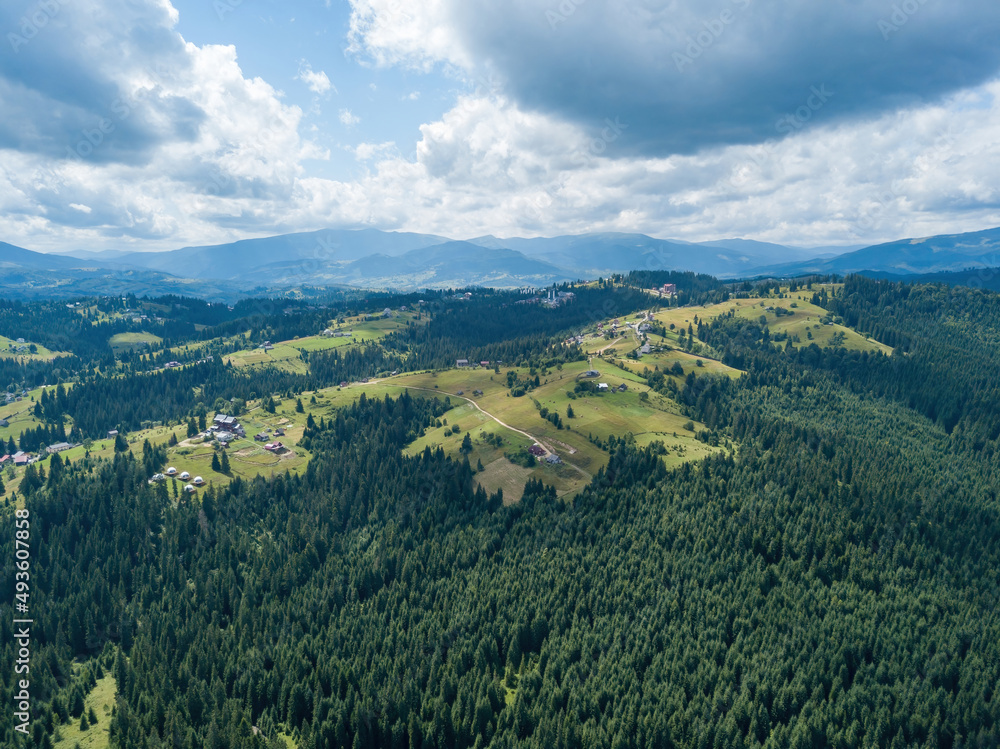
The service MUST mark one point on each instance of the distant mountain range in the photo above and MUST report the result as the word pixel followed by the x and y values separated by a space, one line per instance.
pixel 371 258
pixel 943 254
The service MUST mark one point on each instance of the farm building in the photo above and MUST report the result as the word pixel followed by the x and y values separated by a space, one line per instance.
pixel 603 387
pixel 58 448
pixel 461 362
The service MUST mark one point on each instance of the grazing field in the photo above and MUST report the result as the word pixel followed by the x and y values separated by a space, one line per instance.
pixel 288 355
pixel 518 422
pixel 40 353
pixel 802 320
pixel 133 341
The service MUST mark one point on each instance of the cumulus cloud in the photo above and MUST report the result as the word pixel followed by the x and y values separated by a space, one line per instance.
pixel 348 118
pixel 118 132
pixel 317 81
pixel 107 106
pixel 693 74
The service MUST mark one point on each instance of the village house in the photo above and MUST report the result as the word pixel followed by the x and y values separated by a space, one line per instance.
pixel 59 447
pixel 461 362
pixel 603 387
pixel 537 450
pixel 222 421
pixel 112 434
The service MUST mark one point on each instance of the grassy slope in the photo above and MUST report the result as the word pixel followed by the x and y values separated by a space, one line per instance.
pixel 43 354
pixel 132 341
pixel 101 699
pixel 287 354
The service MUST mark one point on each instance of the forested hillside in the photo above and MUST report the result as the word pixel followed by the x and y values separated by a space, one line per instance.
pixel 831 583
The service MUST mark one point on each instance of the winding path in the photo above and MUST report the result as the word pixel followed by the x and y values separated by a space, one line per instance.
pixel 531 437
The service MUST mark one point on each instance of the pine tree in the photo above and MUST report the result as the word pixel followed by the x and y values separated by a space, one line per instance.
pixel 216 466
pixel 569 412
pixel 84 724
pixel 192 428
pixel 299 407
pixel 225 463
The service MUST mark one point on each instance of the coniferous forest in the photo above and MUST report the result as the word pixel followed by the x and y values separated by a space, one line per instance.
pixel 834 581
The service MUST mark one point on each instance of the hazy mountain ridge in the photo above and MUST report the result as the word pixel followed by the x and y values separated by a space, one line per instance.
pixel 371 258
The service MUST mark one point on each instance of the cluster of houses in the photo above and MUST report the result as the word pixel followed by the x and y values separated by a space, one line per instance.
pixel 558 298
pixel 539 452
pixel 266 434
pixel 668 289
pixel 464 363
pixel 190 488
pixel 19 347
pixel 13 397
pixel 329 333
pixel 552 298
pixel 603 387
pixel 226 429
pixel 20 458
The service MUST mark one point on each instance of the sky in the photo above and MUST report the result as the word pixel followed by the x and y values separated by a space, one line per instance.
pixel 157 124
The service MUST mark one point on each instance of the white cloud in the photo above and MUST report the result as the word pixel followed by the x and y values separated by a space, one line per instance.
pixel 317 81
pixel 206 154
pixel 348 118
